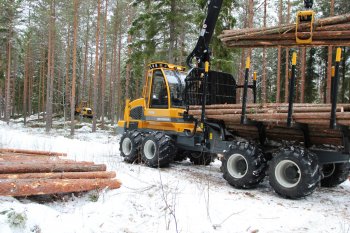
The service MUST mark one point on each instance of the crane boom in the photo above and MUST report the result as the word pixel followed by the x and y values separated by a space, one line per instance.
pixel 201 49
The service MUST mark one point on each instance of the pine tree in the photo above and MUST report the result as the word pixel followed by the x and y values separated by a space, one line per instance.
pixel 75 29
pixel 95 91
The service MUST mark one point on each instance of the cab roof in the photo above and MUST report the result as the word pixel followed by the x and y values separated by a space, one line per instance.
pixel 157 65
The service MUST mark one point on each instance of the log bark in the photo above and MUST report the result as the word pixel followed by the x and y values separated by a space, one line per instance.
pixel 44 187
pixel 60 175
pixel 286 43
pixel 268 105
pixel 266 110
pixel 321 23
pixel 32 152
pixel 38 159
pixel 7 168
pixel 281 116
pixel 95 82
pixel 322 35
pixel 325 30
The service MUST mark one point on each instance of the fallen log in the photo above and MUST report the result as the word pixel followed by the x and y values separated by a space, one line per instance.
pixel 327 133
pixel 267 105
pixel 39 159
pixel 338 27
pixel 53 186
pixel 321 35
pixel 340 19
pixel 326 32
pixel 286 43
pixel 267 110
pixel 33 152
pixel 61 175
pixel 7 168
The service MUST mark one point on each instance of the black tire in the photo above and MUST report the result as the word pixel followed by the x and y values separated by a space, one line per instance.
pixel 294 172
pixel 130 145
pixel 335 174
pixel 200 158
pixel 243 165
pixel 158 150
pixel 180 155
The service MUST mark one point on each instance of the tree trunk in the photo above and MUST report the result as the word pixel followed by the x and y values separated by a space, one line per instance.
pixel 30 80
pixel 68 62
pixel 85 74
pixel 50 68
pixel 172 32
pixel 279 57
pixel 72 102
pixel 104 71
pixel 119 88
pixel 329 62
pixel 8 77
pixel 25 85
pixel 114 74
pixel 244 54
pixel 128 65
pixel 286 79
pixel 96 66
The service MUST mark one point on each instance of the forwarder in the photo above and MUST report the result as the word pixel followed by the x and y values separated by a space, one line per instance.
pixel 158 128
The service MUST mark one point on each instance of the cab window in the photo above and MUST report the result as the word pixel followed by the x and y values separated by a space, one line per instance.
pixel 159 95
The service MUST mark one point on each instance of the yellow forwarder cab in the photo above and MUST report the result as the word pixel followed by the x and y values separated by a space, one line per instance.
pixel 154 125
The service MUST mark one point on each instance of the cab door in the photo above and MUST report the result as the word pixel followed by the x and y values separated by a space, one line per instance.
pixel 159 115
pixel 158 98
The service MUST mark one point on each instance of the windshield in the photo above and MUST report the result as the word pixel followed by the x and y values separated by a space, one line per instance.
pixel 176 82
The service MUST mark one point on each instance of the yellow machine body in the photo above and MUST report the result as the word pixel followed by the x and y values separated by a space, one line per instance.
pixel 150 112
pixel 307 16
pixel 83 109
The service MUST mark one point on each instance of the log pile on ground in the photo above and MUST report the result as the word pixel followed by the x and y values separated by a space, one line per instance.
pixel 274 117
pixel 29 173
pixel 327 31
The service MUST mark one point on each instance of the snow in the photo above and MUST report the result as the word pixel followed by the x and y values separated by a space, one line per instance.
pixel 182 198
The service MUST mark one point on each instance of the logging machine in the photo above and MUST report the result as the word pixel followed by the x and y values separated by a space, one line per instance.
pixel 83 109
pixel 158 128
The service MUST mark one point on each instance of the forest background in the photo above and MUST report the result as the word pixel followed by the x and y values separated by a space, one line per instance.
pixel 55 54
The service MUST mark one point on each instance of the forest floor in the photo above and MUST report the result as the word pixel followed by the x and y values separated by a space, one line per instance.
pixel 181 198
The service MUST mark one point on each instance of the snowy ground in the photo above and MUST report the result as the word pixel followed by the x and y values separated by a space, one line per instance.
pixel 182 198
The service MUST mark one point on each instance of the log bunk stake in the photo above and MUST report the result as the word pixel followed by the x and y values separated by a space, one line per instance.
pixel 29 173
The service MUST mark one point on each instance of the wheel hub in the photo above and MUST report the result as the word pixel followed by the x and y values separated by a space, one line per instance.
pixel 127 146
pixel 288 173
pixel 149 149
pixel 237 166
pixel 291 174
pixel 241 166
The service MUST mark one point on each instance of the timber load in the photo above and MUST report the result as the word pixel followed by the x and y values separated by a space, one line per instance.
pixel 325 32
pixel 30 173
pixel 274 118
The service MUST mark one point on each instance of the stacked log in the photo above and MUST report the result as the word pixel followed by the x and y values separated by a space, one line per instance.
pixel 274 117
pixel 327 31
pixel 28 173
